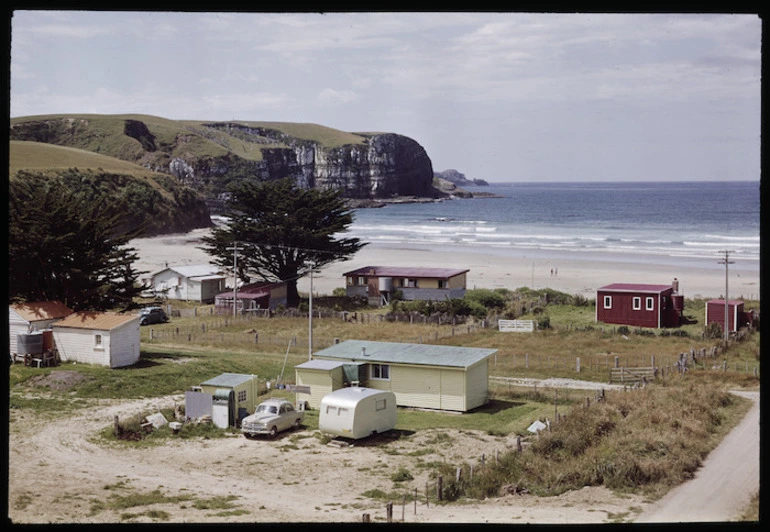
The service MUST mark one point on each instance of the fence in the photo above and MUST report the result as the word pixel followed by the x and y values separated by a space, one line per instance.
pixel 516 325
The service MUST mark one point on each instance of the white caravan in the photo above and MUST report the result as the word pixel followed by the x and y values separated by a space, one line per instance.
pixel 357 412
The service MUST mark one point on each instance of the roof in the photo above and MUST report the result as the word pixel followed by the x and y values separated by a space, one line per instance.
pixel 320 364
pixel 729 302
pixel 41 310
pixel 195 270
pixel 251 291
pixel 396 271
pixel 636 287
pixel 351 396
pixel 401 353
pixel 228 380
pixel 96 320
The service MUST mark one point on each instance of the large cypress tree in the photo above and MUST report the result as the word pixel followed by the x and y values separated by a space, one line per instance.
pixel 67 246
pixel 282 232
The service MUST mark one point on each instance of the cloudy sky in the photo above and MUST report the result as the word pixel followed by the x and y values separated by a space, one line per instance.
pixel 497 96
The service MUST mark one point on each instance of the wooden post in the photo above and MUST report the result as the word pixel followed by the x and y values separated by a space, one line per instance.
pixel 366 518
pixel 427 495
pixel 116 424
pixel 577 365
pixel 403 505
pixel 457 474
pixel 440 488
pixel 389 512
pixel 415 501
pixel 518 443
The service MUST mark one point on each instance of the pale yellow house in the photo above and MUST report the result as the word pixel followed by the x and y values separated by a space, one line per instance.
pixel 423 376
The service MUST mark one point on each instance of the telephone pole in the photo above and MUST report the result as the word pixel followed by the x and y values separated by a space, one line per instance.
pixel 235 249
pixel 726 261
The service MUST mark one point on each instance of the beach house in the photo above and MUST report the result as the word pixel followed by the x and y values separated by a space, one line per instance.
pixel 437 377
pixel 29 320
pixel 379 284
pixel 251 297
pixel 640 305
pixel 200 282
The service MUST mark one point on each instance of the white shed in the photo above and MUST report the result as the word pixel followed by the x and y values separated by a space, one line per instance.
pixel 200 282
pixel 25 318
pixel 357 412
pixel 104 338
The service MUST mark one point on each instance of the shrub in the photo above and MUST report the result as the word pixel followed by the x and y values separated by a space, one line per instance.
pixel 714 330
pixel 486 298
pixel 623 330
pixel 544 322
pixel 401 475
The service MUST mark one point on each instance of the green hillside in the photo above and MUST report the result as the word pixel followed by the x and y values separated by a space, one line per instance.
pixel 25 155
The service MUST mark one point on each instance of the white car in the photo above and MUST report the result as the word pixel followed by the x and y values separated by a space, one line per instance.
pixel 271 417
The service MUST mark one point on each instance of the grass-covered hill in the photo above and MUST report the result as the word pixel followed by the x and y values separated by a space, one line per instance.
pixel 151 199
pixel 209 155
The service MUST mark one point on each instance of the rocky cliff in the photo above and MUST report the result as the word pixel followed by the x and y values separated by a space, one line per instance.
pixel 208 155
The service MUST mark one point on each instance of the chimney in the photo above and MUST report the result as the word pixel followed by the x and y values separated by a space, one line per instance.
pixel 675 285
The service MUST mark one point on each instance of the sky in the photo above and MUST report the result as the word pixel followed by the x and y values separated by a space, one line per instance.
pixel 505 97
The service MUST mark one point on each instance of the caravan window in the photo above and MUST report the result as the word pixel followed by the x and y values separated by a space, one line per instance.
pixel 331 409
pixel 342 412
pixel 380 404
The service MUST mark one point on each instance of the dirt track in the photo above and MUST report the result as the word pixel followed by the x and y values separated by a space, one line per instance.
pixel 57 474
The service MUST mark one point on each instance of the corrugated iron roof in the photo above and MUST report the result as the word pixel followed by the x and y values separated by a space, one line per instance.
pixel 401 353
pixel 228 380
pixel 41 310
pixel 397 271
pixel 96 320
pixel 729 302
pixel 320 364
pixel 251 291
pixel 195 270
pixel 635 287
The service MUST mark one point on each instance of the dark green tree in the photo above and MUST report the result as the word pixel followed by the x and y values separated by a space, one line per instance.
pixel 67 247
pixel 282 232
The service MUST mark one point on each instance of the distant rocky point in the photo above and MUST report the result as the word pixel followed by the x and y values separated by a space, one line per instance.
pixel 459 179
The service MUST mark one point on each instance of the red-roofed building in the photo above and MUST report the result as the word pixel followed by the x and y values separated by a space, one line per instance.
pixel 33 317
pixel 378 283
pixel 640 305
pixel 251 297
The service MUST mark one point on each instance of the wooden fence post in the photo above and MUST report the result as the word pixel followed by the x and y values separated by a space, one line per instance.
pixel 518 443
pixel 366 518
pixel 389 511
pixel 440 488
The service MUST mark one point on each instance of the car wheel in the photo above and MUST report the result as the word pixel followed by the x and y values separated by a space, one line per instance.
pixel 273 432
pixel 297 424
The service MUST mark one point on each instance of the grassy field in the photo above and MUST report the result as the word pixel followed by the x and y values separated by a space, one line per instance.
pixel 643 440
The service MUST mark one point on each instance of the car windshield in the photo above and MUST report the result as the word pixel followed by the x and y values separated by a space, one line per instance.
pixel 267 408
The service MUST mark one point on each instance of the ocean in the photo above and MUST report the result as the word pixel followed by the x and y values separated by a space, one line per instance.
pixel 680 221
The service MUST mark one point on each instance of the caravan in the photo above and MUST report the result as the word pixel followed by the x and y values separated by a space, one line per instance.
pixel 357 412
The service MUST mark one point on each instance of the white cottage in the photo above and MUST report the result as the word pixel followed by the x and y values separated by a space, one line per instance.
pixel 104 338
pixel 200 282
pixel 24 318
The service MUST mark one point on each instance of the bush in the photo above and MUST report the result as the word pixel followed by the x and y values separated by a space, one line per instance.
pixel 486 298
pixel 714 330
pixel 401 475
pixel 624 330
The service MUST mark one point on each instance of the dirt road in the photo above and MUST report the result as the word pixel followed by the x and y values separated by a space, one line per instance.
pixel 723 485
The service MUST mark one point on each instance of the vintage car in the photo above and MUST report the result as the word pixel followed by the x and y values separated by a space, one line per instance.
pixel 149 315
pixel 271 417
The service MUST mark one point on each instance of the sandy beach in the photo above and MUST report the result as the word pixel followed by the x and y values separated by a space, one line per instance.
pixel 490 267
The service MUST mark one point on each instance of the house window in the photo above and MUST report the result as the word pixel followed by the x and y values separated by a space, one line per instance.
pixel 443 283
pixel 650 303
pixel 350 281
pixel 381 371
pixel 637 304
pixel 98 341
pixel 410 283
pixel 607 301
pixel 362 281
pixel 242 396
pixel 380 404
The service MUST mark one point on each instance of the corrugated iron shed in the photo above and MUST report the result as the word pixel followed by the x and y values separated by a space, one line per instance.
pixel 96 320
pixel 402 353
pixel 635 287
pixel 41 310
pixel 396 271
pixel 228 380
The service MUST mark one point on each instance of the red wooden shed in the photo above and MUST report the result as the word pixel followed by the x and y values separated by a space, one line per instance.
pixel 640 305
pixel 736 316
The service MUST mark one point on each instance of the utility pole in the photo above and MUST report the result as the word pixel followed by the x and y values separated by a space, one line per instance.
pixel 235 249
pixel 726 261
pixel 310 320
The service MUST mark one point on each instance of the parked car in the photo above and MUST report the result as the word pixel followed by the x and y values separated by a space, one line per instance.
pixel 271 417
pixel 150 315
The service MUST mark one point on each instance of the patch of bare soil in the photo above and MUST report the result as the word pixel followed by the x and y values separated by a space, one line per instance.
pixel 60 472
pixel 58 380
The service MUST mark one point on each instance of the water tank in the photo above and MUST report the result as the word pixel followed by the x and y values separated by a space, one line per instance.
pixel 678 302
pixel 29 343
pixel 386 284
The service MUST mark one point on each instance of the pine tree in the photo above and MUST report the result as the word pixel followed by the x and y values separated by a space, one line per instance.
pixel 65 246
pixel 282 232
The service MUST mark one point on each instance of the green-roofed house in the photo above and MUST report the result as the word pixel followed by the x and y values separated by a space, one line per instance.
pixel 438 377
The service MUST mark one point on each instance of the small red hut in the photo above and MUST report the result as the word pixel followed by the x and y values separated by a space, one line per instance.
pixel 736 316
pixel 640 305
